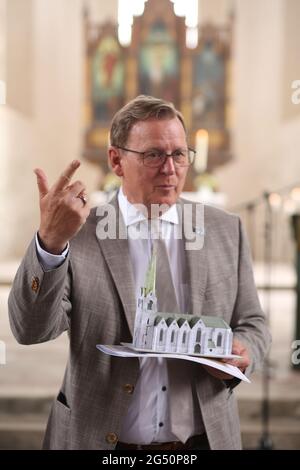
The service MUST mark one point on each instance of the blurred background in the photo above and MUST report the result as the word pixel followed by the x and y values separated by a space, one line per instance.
pixel 233 68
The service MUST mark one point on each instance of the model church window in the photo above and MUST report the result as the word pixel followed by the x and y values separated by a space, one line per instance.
pixel 161 336
pixel 198 337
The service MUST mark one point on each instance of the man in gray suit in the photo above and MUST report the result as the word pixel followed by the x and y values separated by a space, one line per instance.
pixel 73 278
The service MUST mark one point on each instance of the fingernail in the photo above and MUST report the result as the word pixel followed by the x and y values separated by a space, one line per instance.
pixel 75 163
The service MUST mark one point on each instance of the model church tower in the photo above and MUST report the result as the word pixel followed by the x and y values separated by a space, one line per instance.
pixel 176 333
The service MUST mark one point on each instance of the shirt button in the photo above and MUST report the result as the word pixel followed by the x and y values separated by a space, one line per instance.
pixel 161 425
pixel 164 388
pixel 111 438
pixel 128 388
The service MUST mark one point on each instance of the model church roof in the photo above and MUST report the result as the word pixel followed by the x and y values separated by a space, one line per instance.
pixel 180 318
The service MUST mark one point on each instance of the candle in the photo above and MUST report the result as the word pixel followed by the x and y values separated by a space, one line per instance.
pixel 201 151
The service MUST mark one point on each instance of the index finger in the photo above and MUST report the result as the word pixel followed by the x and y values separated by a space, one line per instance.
pixel 66 176
pixel 41 182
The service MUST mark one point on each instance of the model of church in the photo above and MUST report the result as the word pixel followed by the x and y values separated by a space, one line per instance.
pixel 176 333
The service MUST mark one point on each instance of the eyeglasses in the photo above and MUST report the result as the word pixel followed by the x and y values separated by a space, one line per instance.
pixel 156 158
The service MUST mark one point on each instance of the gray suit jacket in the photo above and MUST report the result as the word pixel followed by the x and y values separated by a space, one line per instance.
pixel 92 296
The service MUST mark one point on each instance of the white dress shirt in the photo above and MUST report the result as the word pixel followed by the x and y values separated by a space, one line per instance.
pixel 148 416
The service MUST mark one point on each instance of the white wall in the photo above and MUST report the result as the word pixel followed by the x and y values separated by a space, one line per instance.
pixel 102 11
pixel 265 144
pixel 41 124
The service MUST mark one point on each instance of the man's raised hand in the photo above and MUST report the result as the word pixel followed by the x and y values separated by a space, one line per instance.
pixel 63 210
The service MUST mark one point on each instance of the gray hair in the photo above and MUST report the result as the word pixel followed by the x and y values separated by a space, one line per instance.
pixel 140 108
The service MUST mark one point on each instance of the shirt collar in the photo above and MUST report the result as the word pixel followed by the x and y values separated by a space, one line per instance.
pixel 132 215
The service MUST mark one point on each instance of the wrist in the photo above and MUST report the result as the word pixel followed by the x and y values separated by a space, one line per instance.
pixel 50 246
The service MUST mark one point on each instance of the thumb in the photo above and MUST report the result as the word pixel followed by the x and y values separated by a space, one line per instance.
pixel 41 182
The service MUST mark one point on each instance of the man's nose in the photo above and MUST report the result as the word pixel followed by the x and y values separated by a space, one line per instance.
pixel 168 166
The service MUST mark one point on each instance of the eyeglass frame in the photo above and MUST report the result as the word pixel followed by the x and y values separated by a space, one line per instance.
pixel 163 159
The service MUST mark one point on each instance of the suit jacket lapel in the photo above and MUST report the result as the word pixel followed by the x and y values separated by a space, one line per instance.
pixel 116 254
pixel 195 258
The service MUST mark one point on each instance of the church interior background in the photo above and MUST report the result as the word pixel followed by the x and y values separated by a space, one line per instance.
pixel 233 68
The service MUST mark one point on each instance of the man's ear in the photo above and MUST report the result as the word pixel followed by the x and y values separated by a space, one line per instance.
pixel 115 161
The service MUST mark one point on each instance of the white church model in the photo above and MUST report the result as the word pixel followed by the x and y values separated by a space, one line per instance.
pixel 176 333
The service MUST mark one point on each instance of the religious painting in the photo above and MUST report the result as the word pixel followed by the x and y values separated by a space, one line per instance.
pixel 107 79
pixel 159 64
pixel 209 87
pixel 210 109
